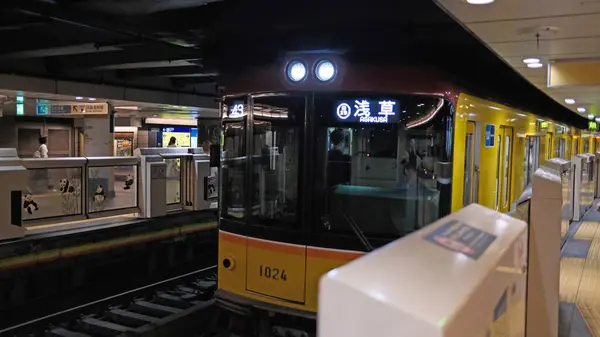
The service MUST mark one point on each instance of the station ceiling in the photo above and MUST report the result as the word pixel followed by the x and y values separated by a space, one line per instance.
pixel 563 35
pixel 185 45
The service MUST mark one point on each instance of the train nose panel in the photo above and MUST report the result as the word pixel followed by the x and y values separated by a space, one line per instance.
pixel 276 269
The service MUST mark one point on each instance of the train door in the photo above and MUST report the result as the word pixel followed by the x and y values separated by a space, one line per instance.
pixel 532 158
pixel 561 149
pixel 504 169
pixel 471 185
pixel 576 146
pixel 586 144
pixel 549 142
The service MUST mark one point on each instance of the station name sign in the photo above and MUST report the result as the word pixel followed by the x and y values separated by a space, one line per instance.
pixel 367 111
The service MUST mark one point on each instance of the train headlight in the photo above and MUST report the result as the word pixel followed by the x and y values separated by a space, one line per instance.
pixel 325 71
pixel 296 71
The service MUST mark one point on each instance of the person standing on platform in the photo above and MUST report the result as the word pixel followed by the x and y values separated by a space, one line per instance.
pixel 206 146
pixel 41 175
pixel 42 151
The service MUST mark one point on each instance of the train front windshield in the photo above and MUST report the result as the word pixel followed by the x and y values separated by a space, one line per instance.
pixel 343 165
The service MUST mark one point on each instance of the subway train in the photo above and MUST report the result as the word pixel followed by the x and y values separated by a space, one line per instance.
pixel 323 161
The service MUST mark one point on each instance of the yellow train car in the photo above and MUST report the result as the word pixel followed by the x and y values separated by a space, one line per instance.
pixel 323 161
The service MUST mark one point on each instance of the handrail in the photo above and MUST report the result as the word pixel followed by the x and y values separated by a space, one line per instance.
pixel 113 161
pixel 46 163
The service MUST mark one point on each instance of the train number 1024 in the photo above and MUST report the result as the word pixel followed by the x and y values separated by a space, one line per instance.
pixel 273 273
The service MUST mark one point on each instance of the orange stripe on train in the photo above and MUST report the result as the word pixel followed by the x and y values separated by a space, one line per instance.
pixel 313 252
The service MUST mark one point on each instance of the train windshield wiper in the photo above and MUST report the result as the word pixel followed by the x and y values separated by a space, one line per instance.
pixel 359 233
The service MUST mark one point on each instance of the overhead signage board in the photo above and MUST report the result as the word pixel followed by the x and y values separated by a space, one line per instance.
pixel 49 109
pixel 592 126
pixel 367 111
pixel 461 238
pixel 43 108
pixel 490 135
pixel 90 108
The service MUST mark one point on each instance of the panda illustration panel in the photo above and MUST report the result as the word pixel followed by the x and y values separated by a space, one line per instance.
pixel 99 194
pixel 29 204
pixel 128 182
pixel 65 186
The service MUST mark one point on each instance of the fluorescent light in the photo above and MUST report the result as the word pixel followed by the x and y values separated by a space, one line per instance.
pixel 78 97
pixel 581 109
pixel 92 99
pixel 126 107
pixel 531 60
pixel 591 117
pixel 480 2
pixel 172 121
pixel 534 65
pixel 522 115
pixel 570 101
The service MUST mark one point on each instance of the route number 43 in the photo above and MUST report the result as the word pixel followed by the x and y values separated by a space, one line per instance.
pixel 273 273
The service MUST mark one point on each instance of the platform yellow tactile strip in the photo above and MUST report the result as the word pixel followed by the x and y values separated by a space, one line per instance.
pixel 591 315
pixel 564 227
pixel 588 298
pixel 594 252
pixel 571 270
pixel 587 230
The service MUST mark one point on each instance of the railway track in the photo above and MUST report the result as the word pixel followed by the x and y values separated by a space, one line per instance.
pixel 179 306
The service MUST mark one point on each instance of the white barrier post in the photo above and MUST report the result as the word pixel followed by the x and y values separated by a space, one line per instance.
pixel 463 275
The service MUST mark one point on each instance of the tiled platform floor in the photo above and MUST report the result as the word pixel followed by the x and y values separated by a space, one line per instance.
pixel 580 277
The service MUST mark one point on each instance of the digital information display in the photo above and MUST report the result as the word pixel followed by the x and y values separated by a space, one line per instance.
pixel 367 111
pixel 184 136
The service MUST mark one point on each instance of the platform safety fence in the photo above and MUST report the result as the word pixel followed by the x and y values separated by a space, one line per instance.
pixel 80 188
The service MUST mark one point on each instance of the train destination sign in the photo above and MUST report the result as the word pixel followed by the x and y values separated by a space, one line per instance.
pixel 368 111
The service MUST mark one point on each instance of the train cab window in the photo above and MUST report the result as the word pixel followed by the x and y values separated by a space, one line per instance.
pixel 562 148
pixel 276 145
pixel 233 162
pixel 377 180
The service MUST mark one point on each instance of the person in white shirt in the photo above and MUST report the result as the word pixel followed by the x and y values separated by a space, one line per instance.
pixel 42 151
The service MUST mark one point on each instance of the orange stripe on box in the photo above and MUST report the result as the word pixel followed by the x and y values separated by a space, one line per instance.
pixel 334 254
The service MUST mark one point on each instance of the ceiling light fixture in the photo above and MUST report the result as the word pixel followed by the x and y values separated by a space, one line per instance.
pixel 531 60
pixel 591 117
pixel 534 65
pixel 92 99
pixel 581 109
pixel 480 2
pixel 570 101
pixel 78 97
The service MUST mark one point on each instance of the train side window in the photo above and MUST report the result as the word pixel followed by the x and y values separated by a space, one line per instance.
pixel 506 172
pixel 233 163
pixel 498 166
pixel 276 145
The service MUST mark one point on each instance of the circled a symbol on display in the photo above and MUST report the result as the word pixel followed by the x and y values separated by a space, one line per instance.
pixel 343 111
